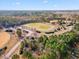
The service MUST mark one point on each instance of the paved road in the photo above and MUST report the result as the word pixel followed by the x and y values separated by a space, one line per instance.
pixel 7 56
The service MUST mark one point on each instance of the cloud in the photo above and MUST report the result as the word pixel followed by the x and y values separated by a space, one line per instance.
pixel 45 1
pixel 17 3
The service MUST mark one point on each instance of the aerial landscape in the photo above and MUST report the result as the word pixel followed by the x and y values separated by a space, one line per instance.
pixel 39 29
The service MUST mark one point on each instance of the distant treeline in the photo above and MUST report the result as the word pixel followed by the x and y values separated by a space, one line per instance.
pixel 11 22
pixel 31 12
pixel 20 13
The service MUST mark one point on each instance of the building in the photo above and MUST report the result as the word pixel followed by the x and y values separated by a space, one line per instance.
pixel 54 22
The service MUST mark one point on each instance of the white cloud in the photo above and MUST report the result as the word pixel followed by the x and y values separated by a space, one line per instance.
pixel 45 1
pixel 17 3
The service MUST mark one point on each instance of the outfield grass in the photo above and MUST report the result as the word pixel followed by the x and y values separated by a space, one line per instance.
pixel 40 26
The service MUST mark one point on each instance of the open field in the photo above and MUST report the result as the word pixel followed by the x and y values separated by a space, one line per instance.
pixel 40 26
pixel 13 40
pixel 4 38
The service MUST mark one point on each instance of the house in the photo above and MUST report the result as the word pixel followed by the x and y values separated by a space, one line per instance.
pixel 69 23
pixel 54 22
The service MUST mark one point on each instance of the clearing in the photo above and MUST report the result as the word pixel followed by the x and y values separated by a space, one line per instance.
pixel 43 27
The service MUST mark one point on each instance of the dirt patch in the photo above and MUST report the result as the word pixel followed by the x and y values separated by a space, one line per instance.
pixel 13 40
pixel 4 38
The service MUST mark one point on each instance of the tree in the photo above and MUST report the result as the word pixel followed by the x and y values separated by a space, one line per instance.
pixel 21 48
pixel 19 32
pixel 27 54
pixel 61 45
pixel 53 47
pixel 55 15
pixel 76 27
pixel 15 56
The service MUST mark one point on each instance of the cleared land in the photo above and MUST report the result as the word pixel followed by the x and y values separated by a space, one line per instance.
pixel 13 40
pixel 4 38
pixel 40 26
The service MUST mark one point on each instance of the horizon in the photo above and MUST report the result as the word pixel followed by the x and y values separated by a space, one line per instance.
pixel 40 10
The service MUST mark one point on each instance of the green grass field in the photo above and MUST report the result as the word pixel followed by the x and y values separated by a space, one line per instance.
pixel 40 26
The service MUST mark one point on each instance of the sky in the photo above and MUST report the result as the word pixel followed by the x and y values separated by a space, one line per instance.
pixel 39 4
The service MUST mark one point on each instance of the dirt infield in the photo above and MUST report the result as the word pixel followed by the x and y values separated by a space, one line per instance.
pixel 4 38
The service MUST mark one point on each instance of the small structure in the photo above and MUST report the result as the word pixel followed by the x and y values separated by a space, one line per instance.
pixel 69 23
pixel 54 22
pixel 10 29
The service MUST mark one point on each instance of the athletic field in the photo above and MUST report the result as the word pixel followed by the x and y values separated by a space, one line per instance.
pixel 40 26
